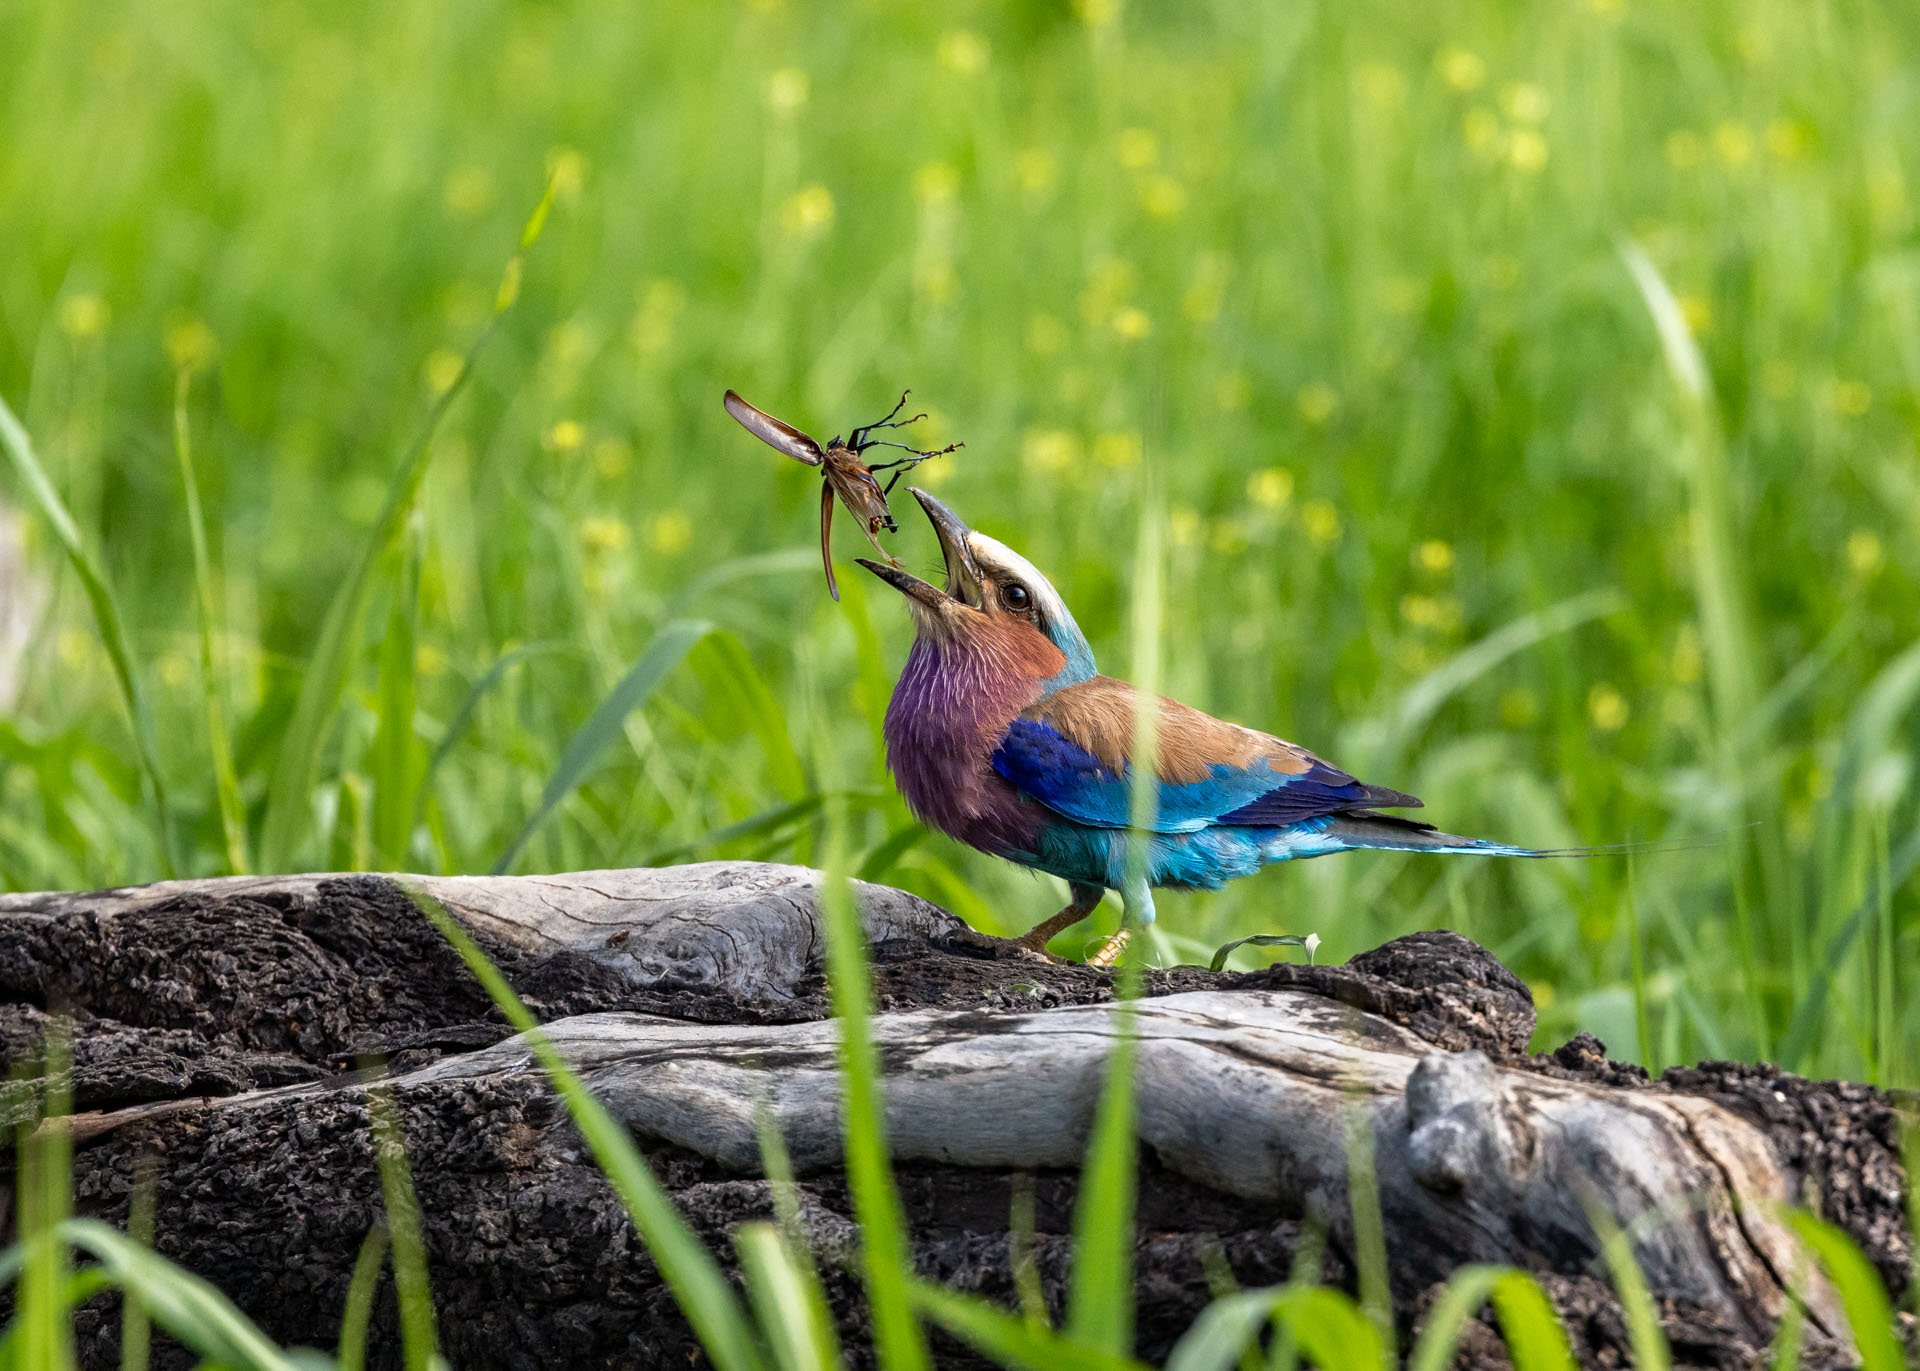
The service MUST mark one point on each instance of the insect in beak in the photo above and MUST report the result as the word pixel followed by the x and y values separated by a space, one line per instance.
pixel 845 477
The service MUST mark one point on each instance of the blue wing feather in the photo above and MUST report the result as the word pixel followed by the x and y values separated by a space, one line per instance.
pixel 1046 765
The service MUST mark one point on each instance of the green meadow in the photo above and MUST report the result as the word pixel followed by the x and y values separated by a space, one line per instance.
pixel 1517 404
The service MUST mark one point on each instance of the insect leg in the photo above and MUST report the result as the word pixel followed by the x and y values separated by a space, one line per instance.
pixel 859 438
pixel 919 454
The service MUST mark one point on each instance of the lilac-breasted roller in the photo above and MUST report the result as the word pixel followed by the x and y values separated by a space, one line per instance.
pixel 1002 734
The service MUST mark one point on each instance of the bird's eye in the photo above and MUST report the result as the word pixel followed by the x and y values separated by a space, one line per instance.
pixel 1015 597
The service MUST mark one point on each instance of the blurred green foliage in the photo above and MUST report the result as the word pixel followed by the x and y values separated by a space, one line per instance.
pixel 1346 286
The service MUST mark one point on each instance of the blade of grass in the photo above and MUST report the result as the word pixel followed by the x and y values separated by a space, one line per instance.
pixel 1811 1015
pixel 1733 660
pixel 879 862
pixel 1789 1336
pixel 357 1316
pixel 1869 1312
pixel 766 821
pixel 1644 1334
pixel 393 742
pixel 188 1309
pixel 226 784
pixel 106 617
pixel 462 719
pixel 783 563
pixel 698 1285
pixel 136 1329
pixel 885 1261
pixel 662 655
pixel 1009 1340
pixel 1100 1291
pixel 413 1292
pixel 1636 969
pixel 786 1299
pixel 289 814
pixel 1369 1230
pixel 777 1166
pixel 1022 1258
pixel 1534 1333
pixel 1329 1329
pixel 1309 1258
pixel 745 695
pixel 45 1149
pixel 1425 697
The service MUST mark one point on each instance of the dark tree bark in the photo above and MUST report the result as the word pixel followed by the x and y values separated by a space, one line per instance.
pixel 221 1029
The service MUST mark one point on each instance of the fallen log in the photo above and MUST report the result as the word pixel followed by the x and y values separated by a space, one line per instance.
pixel 222 1031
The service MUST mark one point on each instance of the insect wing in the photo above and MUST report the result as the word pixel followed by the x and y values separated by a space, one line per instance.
pixel 774 432
pixel 826 537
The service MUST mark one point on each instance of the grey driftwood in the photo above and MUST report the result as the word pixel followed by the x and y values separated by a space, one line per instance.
pixel 222 1031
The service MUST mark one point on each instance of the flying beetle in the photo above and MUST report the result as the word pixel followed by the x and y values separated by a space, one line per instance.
pixel 843 473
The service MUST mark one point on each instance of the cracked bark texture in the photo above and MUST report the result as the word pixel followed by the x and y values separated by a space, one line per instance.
pixel 219 1028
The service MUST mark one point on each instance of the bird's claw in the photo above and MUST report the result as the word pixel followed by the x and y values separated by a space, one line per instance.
pixel 1034 944
pixel 1108 951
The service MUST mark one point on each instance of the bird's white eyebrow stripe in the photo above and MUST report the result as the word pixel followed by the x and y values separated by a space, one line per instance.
pixel 996 557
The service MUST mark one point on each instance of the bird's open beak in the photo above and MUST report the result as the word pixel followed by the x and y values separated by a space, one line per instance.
pixel 907 584
pixel 963 573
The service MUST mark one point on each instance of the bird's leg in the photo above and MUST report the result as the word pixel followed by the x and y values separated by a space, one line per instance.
pixel 1136 912
pixel 1085 897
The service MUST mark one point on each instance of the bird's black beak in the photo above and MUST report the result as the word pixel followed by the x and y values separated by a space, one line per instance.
pixel 963 572
pixel 907 583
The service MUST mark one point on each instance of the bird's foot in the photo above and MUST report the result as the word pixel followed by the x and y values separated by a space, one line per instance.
pixel 1109 951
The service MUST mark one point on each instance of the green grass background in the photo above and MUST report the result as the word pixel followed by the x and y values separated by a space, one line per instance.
pixel 1341 295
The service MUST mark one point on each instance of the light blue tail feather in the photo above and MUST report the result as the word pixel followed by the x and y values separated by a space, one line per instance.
pixel 1384 832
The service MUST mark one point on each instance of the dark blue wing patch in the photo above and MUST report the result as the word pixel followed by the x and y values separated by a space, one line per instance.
pixel 1320 790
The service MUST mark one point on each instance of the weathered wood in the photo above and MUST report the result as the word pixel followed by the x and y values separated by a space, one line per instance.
pixel 217 1026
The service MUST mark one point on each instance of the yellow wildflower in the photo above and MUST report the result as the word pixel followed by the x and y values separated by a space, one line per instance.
pixel 1527 149
pixel 1461 69
pixel 1852 398
pixel 808 211
pixel 84 316
pixel 1138 149
pixel 1734 142
pixel 1050 450
pixel 1607 708
pixel 1035 171
pixel 1317 402
pixel 788 90
pixel 1163 197
pixel 670 533
pixel 1132 323
pixel 190 343
pixel 1321 521
pixel 468 191
pixel 1117 449
pixel 1271 489
pixel 963 52
pixel 1524 103
pixel 441 370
